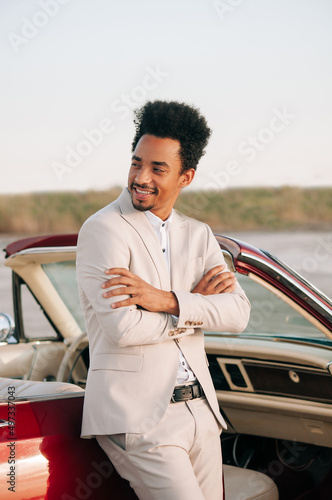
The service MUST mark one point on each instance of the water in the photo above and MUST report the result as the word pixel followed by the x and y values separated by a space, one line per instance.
pixel 309 253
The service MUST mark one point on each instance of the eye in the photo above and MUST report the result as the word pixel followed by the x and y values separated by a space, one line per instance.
pixel 158 170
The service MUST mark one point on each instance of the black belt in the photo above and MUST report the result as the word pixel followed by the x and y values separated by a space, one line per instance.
pixel 187 392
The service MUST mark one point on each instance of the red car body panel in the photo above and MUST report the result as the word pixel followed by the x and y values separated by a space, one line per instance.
pixel 62 240
pixel 51 461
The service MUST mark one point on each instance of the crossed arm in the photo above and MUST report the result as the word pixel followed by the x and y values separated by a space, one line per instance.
pixel 132 312
pixel 152 299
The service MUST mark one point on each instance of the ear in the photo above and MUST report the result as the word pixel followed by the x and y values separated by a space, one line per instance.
pixel 187 177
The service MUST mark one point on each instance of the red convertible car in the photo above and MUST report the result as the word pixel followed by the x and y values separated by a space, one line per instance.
pixel 273 383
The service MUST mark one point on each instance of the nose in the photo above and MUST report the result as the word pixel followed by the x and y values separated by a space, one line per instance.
pixel 143 176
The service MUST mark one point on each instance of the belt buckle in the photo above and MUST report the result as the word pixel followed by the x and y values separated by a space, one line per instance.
pixel 195 389
pixel 192 391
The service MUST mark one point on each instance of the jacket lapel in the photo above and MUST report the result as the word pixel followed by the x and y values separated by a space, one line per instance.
pixel 142 226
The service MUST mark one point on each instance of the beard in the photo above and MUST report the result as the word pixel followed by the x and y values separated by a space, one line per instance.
pixel 139 205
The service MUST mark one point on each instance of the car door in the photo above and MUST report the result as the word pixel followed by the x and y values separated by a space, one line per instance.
pixel 274 379
pixel 41 453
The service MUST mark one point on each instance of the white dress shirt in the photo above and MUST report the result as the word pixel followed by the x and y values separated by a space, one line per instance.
pixel 161 228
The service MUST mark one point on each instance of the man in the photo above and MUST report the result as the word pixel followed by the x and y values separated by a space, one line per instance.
pixel 150 401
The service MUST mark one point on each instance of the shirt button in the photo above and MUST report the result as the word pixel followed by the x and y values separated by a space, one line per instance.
pixel 164 250
pixel 163 225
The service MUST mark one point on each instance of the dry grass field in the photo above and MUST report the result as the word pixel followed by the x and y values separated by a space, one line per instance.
pixel 251 209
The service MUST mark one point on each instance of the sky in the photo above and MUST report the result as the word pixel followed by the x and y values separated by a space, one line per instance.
pixel 73 71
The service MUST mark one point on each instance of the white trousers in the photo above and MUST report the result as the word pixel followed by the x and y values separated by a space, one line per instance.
pixel 180 459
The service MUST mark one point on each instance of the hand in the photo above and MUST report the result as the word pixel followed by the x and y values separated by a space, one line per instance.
pixel 141 293
pixel 215 281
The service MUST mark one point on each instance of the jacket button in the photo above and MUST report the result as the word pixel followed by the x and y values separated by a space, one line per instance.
pixel 171 333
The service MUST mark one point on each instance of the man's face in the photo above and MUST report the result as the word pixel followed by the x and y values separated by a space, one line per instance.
pixel 154 179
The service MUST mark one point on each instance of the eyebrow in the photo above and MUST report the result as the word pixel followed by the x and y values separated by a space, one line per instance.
pixel 158 163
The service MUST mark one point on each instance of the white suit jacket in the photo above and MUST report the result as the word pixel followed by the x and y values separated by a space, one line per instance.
pixel 134 353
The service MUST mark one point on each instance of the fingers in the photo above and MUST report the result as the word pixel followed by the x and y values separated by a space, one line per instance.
pixel 229 289
pixel 212 273
pixel 223 277
pixel 117 281
pixel 228 285
pixel 119 270
pixel 119 291
pixel 122 277
pixel 123 303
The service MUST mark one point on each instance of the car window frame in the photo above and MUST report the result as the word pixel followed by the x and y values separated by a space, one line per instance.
pixel 19 333
pixel 269 274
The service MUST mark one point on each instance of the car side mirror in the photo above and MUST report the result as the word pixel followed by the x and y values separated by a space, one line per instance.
pixel 7 327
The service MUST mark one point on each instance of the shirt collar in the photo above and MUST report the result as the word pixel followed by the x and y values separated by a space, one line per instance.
pixel 157 223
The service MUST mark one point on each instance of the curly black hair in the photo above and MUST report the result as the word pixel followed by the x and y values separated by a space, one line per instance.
pixel 174 120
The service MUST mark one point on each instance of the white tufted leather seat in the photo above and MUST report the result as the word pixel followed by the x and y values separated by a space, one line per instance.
pixel 245 484
pixel 27 388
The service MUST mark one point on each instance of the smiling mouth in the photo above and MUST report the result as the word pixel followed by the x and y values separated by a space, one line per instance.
pixel 141 193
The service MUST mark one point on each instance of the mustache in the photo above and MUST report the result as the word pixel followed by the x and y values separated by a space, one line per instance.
pixel 143 186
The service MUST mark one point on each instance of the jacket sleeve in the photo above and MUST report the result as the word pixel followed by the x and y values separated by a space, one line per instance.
pixel 225 312
pixel 98 249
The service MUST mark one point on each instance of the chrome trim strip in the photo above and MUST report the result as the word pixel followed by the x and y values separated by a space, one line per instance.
pixel 239 363
pixel 297 275
pixel 290 279
pixel 283 365
pixel 252 337
pixel 37 250
pixel 45 397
